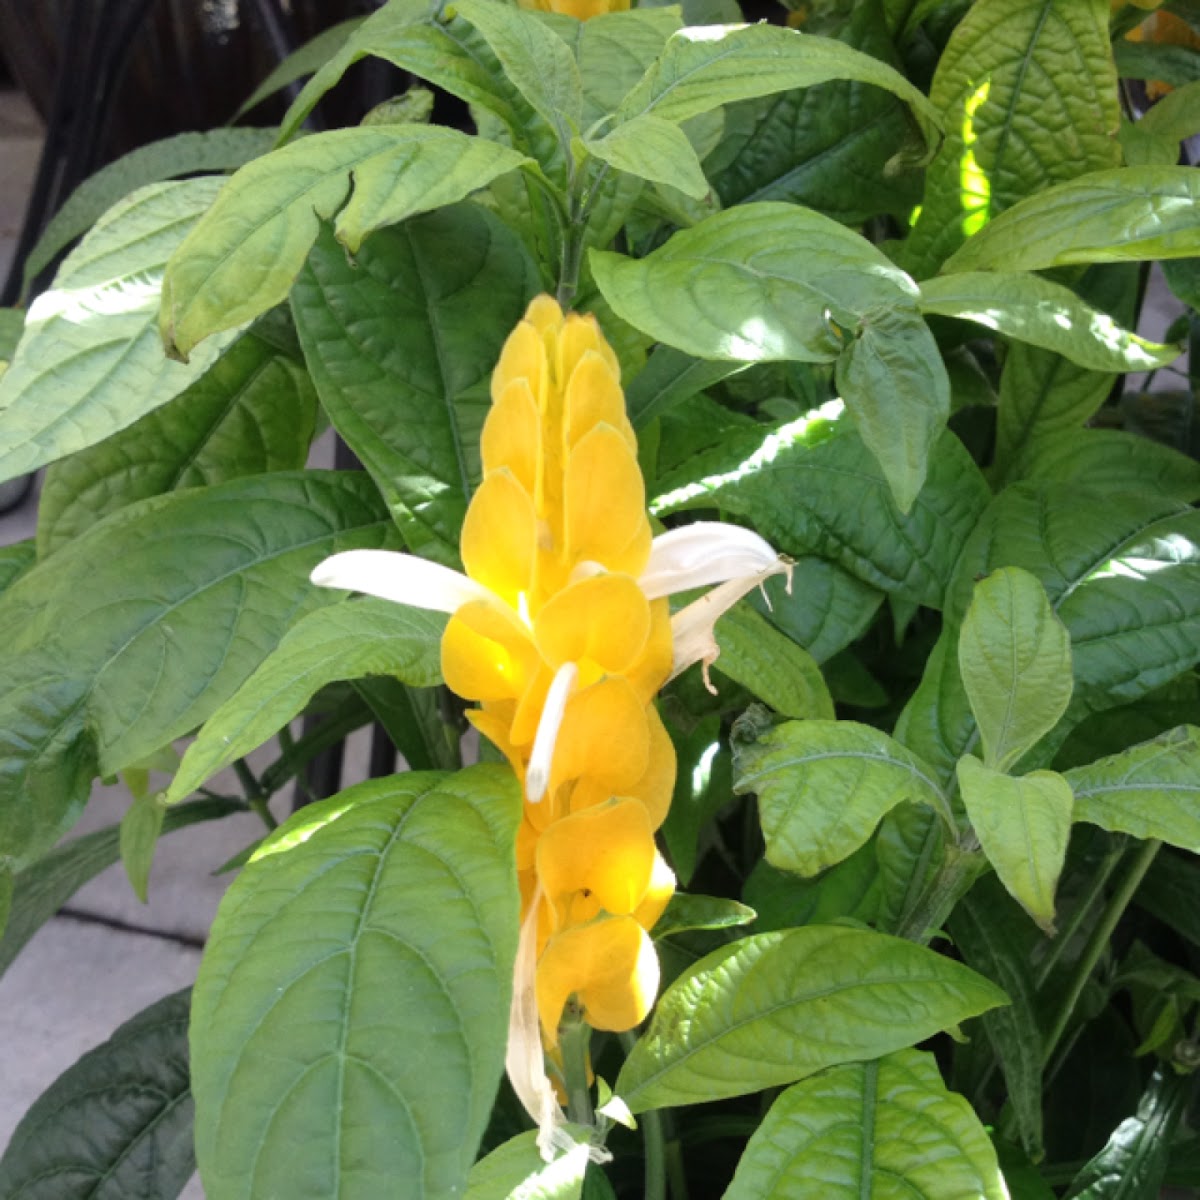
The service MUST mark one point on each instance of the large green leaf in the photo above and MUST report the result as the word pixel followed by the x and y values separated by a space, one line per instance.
pixel 1023 824
pixel 614 51
pixel 137 631
pixel 183 154
pixel 1132 213
pixel 704 67
pixel 774 1008
pixel 15 560
pixel 771 666
pixel 863 1131
pixel 346 641
pixel 812 488
pixel 756 283
pixel 1154 139
pixel 1015 658
pixel 1041 313
pixel 894 382
pixel 356 981
pixel 243 256
pixel 1028 94
pixel 517 1171
pixel 401 352
pixel 90 362
pixel 823 787
pixel 654 149
pixel 669 378
pixel 117 1125
pixel 827 147
pixel 253 411
pixel 1150 791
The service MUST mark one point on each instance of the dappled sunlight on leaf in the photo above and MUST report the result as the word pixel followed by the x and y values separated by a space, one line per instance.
pixel 976 187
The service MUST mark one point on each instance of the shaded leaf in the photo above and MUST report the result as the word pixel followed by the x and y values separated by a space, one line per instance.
pixel 310 57
pixel 686 912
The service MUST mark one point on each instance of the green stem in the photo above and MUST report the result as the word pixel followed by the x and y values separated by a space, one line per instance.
pixel 957 873
pixel 256 798
pixel 654 1140
pixel 573 1038
pixel 1098 941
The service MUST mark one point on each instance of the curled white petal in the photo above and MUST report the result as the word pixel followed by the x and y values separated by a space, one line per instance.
pixel 524 1059
pixel 692 635
pixel 402 578
pixel 537 775
pixel 705 553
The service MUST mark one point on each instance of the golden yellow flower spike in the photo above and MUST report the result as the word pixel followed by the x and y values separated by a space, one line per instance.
pixel 560 630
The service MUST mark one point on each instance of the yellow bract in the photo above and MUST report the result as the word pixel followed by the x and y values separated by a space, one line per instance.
pixel 566 657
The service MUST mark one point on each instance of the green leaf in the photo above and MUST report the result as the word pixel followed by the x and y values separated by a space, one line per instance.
pixel 1015 659
pixel 892 379
pixel 982 929
pixel 534 59
pixel 345 641
pixel 1034 310
pixel 1007 66
pixel 1023 825
pixel 654 149
pixel 1129 214
pixel 516 1171
pixel 1154 140
pixel 812 488
pixel 1174 65
pixel 1149 791
pixel 6 896
pixel 874 1129
pixel 184 154
pixel 701 69
pixel 411 398
pixel 846 892
pixel 243 256
pixel 253 411
pixel 686 912
pixel 668 379
pixel 757 283
pixel 90 362
pixel 774 1008
pixel 1171 892
pixel 702 786
pixel 383 924
pixel 12 326
pixel 771 666
pixel 140 829
pixel 828 147
pixel 310 57
pixel 137 631
pixel 118 1123
pixel 615 50
pixel 1132 1165
pixel 15 560
pixel 823 787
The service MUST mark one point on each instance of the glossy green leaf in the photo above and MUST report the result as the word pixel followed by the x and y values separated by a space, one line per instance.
pixel 1132 1165
pixel 823 787
pixel 117 1125
pixel 895 385
pixel 1114 460
pixel 614 51
pixel 516 1171
pixel 756 283
pixel 910 849
pixel 1035 310
pixel 310 57
pixel 876 1129
pixel 383 924
pixel 140 827
pixel 183 154
pixel 812 488
pixel 402 353
pixel 702 68
pixel 253 411
pixel 1015 659
pixel 774 1008
pixel 654 149
pixel 1154 139
pixel 1150 791
pixel 669 378
pixel 537 62
pixel 42 889
pixel 1023 824
pixel 983 931
pixel 244 255
pixel 782 900
pixel 770 665
pixel 90 362
pixel 686 912
pixel 828 147
pixel 345 641
pixel 1133 213
pixel 1008 66
pixel 137 631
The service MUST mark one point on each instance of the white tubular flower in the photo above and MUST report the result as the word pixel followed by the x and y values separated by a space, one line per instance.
pixel 705 553
pixel 401 578
pixel 537 776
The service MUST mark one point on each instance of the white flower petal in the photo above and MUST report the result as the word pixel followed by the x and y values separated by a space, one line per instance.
pixel 402 578
pixel 537 775
pixel 704 553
